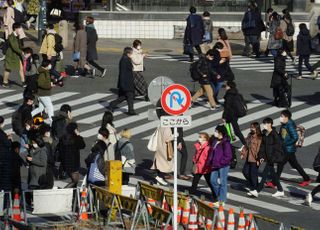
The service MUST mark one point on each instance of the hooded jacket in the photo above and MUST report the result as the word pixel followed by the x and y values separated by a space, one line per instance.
pixel 289 136
pixel 304 42
pixel 44 82
pixel 220 154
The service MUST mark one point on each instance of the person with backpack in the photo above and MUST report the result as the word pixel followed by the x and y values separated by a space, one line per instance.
pixel 44 91
pixel 275 34
pixel 92 38
pixel 50 49
pixel 252 26
pixel 287 26
pixel 304 49
pixel 203 72
pixel 14 57
pixel 250 153
pixel 279 79
pixel 124 151
pixel 234 108
pixel 30 68
pixel 290 137
pixel 96 164
pixel 271 152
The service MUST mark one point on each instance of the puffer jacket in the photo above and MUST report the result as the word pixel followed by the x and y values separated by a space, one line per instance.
pixel 304 42
pixel 271 148
pixel 289 136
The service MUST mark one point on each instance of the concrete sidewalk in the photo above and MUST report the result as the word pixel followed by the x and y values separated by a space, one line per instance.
pixel 151 46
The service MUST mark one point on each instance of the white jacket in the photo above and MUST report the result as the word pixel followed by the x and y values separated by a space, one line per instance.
pixel 137 60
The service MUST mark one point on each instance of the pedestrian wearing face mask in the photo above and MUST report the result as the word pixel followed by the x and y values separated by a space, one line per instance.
pixel 44 91
pixel 200 166
pixel 219 161
pixel 250 154
pixel 279 82
pixel 270 152
pixel 69 148
pixel 140 84
pixel 290 137
pixel 104 135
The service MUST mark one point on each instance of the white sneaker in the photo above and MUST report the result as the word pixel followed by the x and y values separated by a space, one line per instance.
pixel 309 199
pixel 93 72
pixel 278 194
pixel 161 181
pixel 253 193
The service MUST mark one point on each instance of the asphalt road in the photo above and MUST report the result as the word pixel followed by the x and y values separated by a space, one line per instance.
pixel 252 84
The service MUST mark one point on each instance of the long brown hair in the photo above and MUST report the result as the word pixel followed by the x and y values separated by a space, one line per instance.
pixel 256 126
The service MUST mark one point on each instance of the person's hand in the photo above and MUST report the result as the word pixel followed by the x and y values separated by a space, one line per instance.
pixel 260 162
pixel 218 76
pixel 9 136
pixel 241 157
pixel 179 146
pixel 223 120
pixel 29 158
pixel 77 132
pixel 26 146
pixel 145 55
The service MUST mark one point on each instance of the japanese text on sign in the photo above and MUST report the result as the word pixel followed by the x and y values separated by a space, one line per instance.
pixel 176 121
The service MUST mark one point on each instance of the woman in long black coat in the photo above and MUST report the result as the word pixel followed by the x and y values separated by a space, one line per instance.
pixel 5 159
pixel 69 149
pixel 125 82
pixel 279 79
pixel 92 38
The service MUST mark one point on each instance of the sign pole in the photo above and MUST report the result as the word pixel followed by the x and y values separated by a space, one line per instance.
pixel 175 180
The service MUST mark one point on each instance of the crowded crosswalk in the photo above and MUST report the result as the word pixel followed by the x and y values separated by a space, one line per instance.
pixel 261 65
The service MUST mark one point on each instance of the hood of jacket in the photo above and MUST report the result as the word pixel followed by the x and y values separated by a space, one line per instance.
pixel 304 32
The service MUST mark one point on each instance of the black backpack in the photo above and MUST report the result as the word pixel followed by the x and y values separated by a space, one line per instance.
pixel 58 47
pixel 316 163
pixel 240 106
pixel 194 71
pixel 290 29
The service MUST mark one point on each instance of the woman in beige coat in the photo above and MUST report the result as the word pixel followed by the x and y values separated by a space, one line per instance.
pixel 161 163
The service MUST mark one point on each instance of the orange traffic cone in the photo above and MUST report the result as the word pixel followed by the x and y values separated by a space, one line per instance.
pixel 248 222
pixel 221 219
pixel 16 213
pixel 231 223
pixel 252 225
pixel 185 212
pixel 242 221
pixel 152 202
pixel 83 205
pixel 193 218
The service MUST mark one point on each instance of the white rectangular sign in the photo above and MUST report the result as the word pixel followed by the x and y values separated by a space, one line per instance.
pixel 175 121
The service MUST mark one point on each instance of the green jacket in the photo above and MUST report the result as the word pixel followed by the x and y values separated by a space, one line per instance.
pixel 13 54
pixel 44 82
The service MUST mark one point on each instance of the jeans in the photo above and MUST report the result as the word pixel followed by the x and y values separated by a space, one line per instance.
pixel 269 169
pixel 23 141
pixel 221 188
pixel 209 91
pixel 304 58
pixel 237 130
pixel 44 102
pixel 195 182
pixel 250 172
pixel 129 96
pixel 254 41
pixel 217 86
pixel 292 159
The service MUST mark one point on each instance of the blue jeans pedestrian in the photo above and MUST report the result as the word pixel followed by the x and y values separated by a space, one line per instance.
pixel 216 87
pixel 221 188
pixel 23 141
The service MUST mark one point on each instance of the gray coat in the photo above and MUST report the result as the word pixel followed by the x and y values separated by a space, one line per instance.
pixel 127 155
pixel 92 38
pixel 273 43
pixel 38 167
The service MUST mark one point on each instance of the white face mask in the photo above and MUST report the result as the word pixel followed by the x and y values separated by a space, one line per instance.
pixel 282 120
pixel 265 126
pixel 49 67
pixel 47 134
pixel 201 140
pixel 284 53
pixel 35 145
pixel 100 137
pixel 138 47
pixel 28 127
pixel 216 134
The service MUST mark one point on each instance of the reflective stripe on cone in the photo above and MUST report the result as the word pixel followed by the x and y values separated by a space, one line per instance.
pixel 185 212
pixel 16 213
pixel 231 222
pixel 221 219
pixel 193 218
pixel 83 205
pixel 242 221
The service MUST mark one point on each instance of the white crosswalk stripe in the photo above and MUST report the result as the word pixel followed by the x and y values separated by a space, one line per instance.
pixel 88 111
pixel 262 64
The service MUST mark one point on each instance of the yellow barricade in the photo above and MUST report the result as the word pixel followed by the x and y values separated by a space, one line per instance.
pixel 151 192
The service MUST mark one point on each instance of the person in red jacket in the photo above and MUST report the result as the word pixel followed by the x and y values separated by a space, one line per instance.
pixel 200 168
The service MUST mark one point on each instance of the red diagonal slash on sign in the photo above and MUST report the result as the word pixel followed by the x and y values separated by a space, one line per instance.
pixel 174 98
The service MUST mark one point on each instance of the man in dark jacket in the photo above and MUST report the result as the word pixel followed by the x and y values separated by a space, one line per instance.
pixel 92 38
pixel 125 82
pixel 290 137
pixel 229 114
pixel 252 26
pixel 61 121
pixel 304 49
pixel 205 72
pixel 270 152
pixel 44 90
pixel 279 80
pixel 194 31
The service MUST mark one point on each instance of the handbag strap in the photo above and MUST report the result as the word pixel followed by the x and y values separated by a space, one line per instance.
pixel 199 156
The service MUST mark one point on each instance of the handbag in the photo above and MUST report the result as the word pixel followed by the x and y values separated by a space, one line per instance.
pixel 76 56
pixel 187 49
pixel 169 151
pixel 94 174
pixel 153 141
